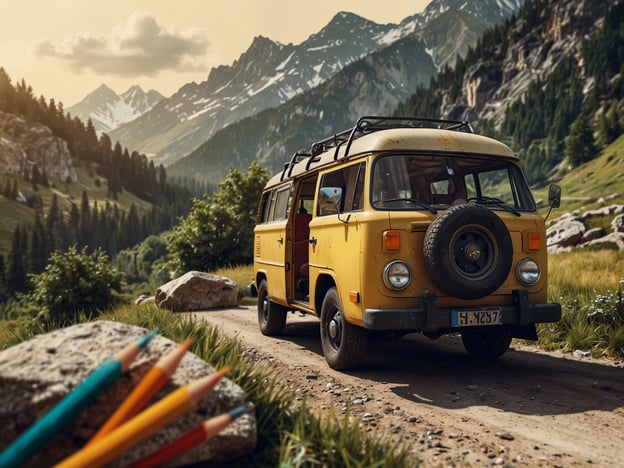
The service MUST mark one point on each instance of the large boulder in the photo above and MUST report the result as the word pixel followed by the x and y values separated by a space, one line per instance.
pixel 36 374
pixel 613 240
pixel 196 290
pixel 617 224
pixel 565 232
pixel 604 211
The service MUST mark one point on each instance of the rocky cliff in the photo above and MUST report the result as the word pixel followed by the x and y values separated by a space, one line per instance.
pixel 493 83
pixel 24 145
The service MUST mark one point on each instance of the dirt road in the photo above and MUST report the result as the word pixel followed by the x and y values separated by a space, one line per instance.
pixel 529 408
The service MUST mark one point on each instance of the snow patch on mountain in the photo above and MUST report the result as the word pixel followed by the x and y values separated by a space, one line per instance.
pixel 107 110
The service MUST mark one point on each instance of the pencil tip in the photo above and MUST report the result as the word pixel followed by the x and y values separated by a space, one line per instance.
pixel 146 339
pixel 186 344
pixel 236 412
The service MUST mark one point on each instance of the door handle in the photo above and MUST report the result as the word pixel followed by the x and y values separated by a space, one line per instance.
pixel 280 240
pixel 312 240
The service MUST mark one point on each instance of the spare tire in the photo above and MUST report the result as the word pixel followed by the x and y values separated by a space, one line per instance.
pixel 468 251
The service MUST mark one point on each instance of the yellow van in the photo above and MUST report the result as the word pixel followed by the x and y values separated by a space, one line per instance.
pixel 403 225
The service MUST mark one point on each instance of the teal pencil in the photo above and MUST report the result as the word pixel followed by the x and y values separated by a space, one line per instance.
pixel 36 436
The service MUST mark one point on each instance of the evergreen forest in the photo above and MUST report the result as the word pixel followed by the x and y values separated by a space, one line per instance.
pixel 139 199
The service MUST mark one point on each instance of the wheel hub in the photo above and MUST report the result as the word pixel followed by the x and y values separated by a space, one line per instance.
pixel 333 328
pixel 472 252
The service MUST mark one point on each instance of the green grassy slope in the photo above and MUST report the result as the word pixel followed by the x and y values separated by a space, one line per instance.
pixel 13 213
pixel 596 183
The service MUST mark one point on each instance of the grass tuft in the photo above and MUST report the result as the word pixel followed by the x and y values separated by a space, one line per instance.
pixel 288 435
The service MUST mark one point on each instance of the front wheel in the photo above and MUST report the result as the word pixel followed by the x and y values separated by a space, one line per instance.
pixel 271 316
pixel 344 344
pixel 488 344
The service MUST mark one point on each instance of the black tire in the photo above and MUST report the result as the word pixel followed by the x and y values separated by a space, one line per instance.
pixel 468 251
pixel 344 344
pixel 271 316
pixel 488 344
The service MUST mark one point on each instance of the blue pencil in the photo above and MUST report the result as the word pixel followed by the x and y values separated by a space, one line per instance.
pixel 37 435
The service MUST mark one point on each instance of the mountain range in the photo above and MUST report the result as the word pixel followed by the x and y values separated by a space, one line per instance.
pixel 108 110
pixel 524 50
pixel 270 74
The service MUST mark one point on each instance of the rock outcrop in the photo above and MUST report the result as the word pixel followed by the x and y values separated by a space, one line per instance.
pixel 196 290
pixel 570 230
pixel 491 85
pixel 24 145
pixel 36 374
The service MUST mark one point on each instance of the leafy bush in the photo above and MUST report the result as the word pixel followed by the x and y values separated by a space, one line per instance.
pixel 219 230
pixel 72 283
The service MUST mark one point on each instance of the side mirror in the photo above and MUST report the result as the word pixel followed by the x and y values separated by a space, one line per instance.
pixel 554 196
pixel 329 200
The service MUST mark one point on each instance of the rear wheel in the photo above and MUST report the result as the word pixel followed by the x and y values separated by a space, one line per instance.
pixel 488 344
pixel 344 344
pixel 271 316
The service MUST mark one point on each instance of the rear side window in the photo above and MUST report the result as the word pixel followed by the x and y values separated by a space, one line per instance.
pixel 275 205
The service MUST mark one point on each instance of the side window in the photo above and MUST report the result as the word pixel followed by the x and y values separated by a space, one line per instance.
pixel 471 186
pixel 440 187
pixel 282 199
pixel 265 203
pixel 274 205
pixel 342 190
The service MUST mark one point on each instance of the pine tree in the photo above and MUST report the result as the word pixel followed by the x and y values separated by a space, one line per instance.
pixel 579 144
pixel 3 284
pixel 84 224
pixel 16 272
pixel 38 252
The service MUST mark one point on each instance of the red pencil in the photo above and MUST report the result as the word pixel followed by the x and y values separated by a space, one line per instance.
pixel 205 431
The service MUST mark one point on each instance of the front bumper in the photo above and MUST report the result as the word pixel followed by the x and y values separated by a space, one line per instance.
pixel 430 318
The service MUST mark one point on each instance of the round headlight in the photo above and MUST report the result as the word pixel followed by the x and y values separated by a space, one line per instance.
pixel 528 271
pixel 397 275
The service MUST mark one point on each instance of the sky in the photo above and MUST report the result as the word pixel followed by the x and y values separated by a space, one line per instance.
pixel 64 49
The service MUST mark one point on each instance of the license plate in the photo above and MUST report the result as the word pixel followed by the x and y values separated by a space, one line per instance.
pixel 476 318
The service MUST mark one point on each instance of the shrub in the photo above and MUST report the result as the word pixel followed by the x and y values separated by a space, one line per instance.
pixel 219 230
pixel 74 282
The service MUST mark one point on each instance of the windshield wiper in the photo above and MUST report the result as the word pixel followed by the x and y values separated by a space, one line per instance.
pixel 494 201
pixel 412 200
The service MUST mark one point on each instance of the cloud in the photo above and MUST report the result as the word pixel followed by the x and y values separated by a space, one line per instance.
pixel 140 47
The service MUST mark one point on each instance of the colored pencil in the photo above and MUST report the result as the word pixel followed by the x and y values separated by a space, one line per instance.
pixel 205 431
pixel 149 386
pixel 60 415
pixel 144 424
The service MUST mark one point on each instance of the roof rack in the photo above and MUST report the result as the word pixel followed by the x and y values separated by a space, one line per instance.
pixel 365 125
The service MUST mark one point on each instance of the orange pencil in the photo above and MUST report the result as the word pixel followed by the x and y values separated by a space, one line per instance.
pixel 60 415
pixel 205 431
pixel 144 424
pixel 149 385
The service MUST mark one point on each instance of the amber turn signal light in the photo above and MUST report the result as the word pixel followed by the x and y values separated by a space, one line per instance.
pixel 534 240
pixel 392 240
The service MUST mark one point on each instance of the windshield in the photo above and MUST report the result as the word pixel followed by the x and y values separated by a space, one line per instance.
pixel 417 182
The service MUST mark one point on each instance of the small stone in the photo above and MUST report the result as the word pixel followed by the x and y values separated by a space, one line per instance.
pixel 505 435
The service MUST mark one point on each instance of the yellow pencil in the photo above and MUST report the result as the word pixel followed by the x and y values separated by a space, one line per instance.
pixel 149 385
pixel 60 415
pixel 144 424
pixel 205 431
